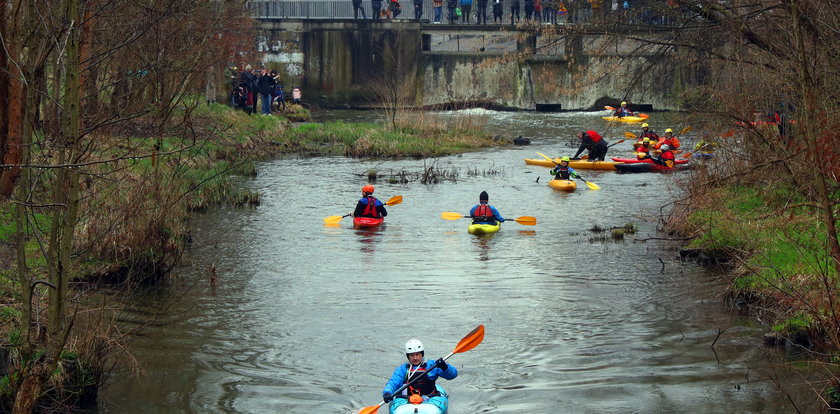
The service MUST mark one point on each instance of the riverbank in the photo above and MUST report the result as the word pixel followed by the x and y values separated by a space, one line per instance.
pixel 770 241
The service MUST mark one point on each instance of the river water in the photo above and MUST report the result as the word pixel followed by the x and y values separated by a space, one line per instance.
pixel 312 319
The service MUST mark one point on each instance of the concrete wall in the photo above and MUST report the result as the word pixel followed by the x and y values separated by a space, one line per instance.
pixel 355 63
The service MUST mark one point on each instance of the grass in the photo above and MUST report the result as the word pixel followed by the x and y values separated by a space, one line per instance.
pixel 373 140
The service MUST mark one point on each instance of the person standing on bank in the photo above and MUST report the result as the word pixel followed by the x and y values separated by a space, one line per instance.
pixel 594 143
pixel 375 8
pixel 423 373
pixel 265 85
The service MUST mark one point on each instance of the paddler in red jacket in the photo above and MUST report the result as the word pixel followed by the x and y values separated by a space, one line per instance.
pixel 369 206
pixel 669 139
pixel 666 158
pixel 592 141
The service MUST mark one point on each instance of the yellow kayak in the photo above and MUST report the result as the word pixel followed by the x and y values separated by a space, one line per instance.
pixel 626 118
pixel 479 229
pixel 563 185
pixel 576 164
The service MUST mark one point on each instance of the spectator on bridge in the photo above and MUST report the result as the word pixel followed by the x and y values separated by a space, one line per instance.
pixel 438 4
pixel 529 10
pixel 481 12
pixel 550 11
pixel 497 11
pixel 466 5
pixel 538 11
pixel 395 8
pixel 418 9
pixel 376 8
pixel 514 11
pixel 357 8
pixel 451 5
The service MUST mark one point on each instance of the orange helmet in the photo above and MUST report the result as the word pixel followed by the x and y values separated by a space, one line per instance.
pixel 367 189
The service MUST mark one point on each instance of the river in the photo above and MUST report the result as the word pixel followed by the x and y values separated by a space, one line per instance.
pixel 306 318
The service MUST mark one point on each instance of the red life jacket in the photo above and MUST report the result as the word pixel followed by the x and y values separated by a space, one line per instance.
pixel 423 386
pixel 668 157
pixel 483 213
pixel 594 136
pixel 370 209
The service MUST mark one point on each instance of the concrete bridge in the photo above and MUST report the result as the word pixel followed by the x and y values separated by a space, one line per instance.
pixel 352 63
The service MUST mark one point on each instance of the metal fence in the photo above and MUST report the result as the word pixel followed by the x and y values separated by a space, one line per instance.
pixel 330 9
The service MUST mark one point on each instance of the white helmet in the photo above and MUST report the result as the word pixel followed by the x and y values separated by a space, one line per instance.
pixel 664 147
pixel 413 345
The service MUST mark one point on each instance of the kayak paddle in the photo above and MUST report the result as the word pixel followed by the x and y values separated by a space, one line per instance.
pixel 468 342
pixel 629 135
pixel 524 220
pixel 335 219
pixel 618 142
pixel 592 186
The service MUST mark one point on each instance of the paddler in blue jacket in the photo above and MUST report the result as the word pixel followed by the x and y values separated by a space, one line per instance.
pixel 424 373
pixel 483 213
pixel 368 205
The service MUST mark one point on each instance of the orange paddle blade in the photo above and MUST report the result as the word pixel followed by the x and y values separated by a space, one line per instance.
pixel 526 220
pixel 471 340
pixel 686 155
pixel 451 215
pixel 394 200
pixel 685 130
pixel 609 107
pixel 645 116
pixel 629 135
pixel 372 409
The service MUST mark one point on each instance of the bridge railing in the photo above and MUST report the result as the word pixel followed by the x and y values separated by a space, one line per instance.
pixel 328 9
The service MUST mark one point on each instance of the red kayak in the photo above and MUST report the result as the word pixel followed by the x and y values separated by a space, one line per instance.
pixel 367 221
pixel 646 160
pixel 640 167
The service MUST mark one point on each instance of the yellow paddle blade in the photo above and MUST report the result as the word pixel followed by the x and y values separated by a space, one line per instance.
pixel 333 219
pixel 450 215
pixel 394 200
pixel 592 186
pixel 471 340
pixel 685 130
pixel 526 220
pixel 545 156
pixel 629 135
pixel 372 409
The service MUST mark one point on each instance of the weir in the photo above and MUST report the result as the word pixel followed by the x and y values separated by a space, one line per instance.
pixel 371 63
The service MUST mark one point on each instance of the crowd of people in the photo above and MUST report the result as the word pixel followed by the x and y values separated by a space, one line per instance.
pixel 534 11
pixel 261 88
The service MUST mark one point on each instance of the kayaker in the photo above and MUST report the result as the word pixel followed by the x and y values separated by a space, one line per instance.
pixel 669 139
pixel 643 148
pixel 623 111
pixel 647 133
pixel 592 141
pixel 563 171
pixel 666 158
pixel 368 205
pixel 483 213
pixel 424 373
